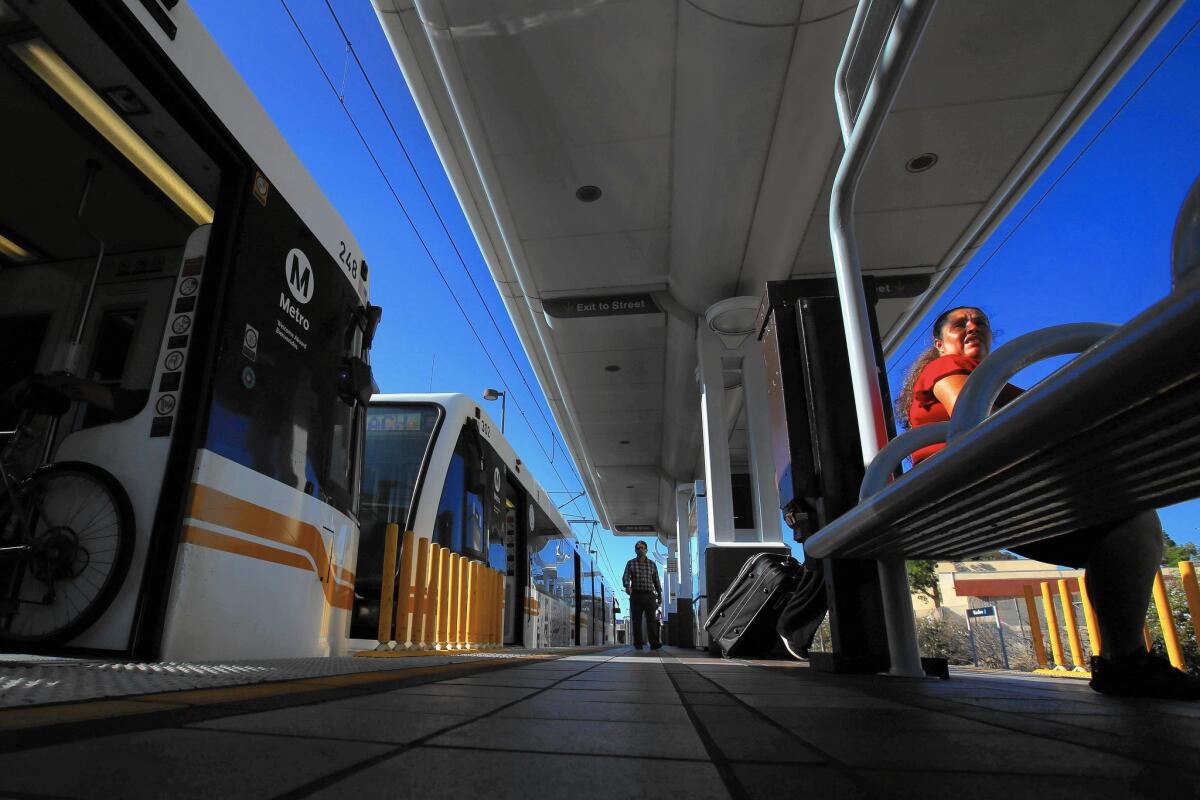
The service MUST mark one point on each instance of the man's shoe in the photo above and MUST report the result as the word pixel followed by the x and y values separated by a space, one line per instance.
pixel 798 652
pixel 656 647
pixel 1142 675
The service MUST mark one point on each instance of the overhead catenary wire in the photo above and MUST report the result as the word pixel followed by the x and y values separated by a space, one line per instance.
pixel 428 251
pixel 441 220
pixel 450 238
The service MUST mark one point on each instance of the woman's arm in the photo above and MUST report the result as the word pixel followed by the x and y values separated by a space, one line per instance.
pixel 947 389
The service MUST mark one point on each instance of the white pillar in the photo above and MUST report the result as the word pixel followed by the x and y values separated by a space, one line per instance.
pixel 671 587
pixel 762 457
pixel 702 542
pixel 719 498
pixel 683 539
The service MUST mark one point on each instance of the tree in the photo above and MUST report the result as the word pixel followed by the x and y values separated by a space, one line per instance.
pixel 922 577
pixel 996 555
pixel 1174 553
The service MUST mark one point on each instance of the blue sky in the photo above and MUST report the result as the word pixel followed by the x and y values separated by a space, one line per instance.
pixel 1089 242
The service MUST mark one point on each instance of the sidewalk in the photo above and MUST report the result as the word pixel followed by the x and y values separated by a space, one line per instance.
pixel 610 724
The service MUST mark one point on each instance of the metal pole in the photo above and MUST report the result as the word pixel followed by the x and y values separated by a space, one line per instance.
pixel 971 638
pixel 1000 630
pixel 889 72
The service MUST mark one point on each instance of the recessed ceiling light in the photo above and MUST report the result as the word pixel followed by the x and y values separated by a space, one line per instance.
pixel 612 368
pixel 921 163
pixel 588 193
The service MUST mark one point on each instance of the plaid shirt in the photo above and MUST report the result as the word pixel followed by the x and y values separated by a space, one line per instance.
pixel 641 575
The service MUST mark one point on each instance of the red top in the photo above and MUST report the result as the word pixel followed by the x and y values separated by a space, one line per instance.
pixel 926 408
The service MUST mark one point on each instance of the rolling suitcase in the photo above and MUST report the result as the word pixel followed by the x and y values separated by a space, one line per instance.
pixel 742 623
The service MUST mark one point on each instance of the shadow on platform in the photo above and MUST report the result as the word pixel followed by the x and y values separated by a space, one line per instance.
pixel 612 723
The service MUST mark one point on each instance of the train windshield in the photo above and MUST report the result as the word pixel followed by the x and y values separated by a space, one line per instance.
pixel 398 439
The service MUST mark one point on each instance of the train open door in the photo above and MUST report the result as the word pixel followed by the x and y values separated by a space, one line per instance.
pixel 107 200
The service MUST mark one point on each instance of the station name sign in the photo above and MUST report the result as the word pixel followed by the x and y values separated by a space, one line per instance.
pixel 986 611
pixel 614 305
pixel 638 528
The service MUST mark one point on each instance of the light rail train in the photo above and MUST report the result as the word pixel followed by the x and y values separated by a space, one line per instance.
pixel 438 465
pixel 184 322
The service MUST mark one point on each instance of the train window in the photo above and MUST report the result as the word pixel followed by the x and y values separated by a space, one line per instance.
pixel 448 524
pixel 114 340
pixel 460 516
pixel 21 341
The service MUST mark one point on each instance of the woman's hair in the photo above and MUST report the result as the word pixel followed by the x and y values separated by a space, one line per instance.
pixel 905 400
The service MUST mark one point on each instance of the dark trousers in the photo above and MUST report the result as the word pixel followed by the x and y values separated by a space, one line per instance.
pixel 643 604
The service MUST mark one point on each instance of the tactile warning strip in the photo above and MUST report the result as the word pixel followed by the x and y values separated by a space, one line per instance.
pixel 30 681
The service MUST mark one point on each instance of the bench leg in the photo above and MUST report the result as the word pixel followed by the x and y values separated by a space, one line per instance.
pixel 899 619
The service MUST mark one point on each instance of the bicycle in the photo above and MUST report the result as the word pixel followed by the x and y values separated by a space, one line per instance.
pixel 66 530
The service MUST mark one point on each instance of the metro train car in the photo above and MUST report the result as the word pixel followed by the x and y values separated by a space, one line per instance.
pixel 437 464
pixel 184 322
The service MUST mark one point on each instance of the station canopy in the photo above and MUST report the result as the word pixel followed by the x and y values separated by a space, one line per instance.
pixel 626 165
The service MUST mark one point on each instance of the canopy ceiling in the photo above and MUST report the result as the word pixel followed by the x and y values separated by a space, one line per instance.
pixel 709 128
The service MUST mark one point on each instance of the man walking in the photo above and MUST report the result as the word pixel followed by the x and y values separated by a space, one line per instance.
pixel 644 590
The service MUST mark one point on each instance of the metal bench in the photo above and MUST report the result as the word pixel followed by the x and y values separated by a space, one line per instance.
pixel 1113 432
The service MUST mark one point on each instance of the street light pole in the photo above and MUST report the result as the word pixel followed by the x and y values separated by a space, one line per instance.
pixel 493 394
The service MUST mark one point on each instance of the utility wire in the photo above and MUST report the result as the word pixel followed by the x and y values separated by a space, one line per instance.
pixel 1054 184
pixel 424 245
pixel 412 224
pixel 454 245
pixel 462 262
pixel 441 220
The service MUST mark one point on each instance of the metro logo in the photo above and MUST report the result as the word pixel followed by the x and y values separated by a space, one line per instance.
pixel 292 310
pixel 299 275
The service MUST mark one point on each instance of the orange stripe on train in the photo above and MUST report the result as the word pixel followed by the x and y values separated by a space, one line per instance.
pixel 219 508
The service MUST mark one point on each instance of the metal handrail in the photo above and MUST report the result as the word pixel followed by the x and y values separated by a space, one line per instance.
pixel 846 114
pixel 980 392
pixel 886 460
pixel 895 56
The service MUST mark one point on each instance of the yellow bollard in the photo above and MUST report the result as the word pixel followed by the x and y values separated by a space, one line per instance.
pixel 404 591
pixel 485 627
pixel 387 592
pixel 1035 628
pixel 477 605
pixel 1052 627
pixel 455 591
pixel 500 593
pixel 472 605
pixel 1166 621
pixel 460 636
pixel 429 621
pixel 1064 596
pixel 497 599
pixel 1187 576
pixel 1089 616
pixel 420 582
pixel 444 595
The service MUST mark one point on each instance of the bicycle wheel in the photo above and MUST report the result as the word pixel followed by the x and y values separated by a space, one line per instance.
pixel 78 525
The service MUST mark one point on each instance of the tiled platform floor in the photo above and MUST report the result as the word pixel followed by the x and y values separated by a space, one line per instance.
pixel 618 724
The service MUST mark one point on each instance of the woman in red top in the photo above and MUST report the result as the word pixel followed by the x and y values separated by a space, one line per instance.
pixel 1121 558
